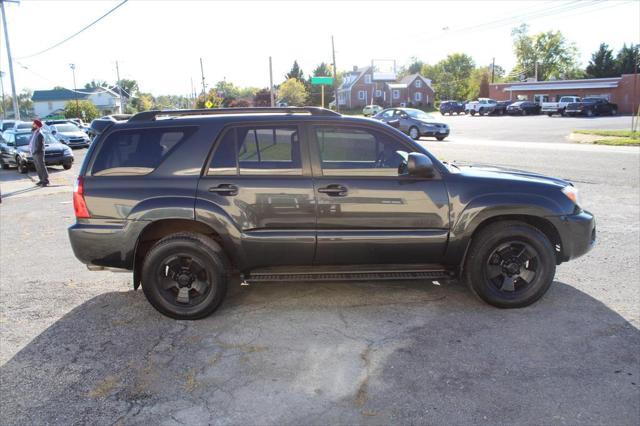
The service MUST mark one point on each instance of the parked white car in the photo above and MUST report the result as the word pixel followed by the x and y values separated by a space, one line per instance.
pixel 551 108
pixel 371 110
pixel 482 106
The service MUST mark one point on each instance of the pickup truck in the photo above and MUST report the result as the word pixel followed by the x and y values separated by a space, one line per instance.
pixel 188 199
pixel 551 108
pixel 482 106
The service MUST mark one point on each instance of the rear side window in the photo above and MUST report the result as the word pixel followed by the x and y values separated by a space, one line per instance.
pixel 257 151
pixel 138 151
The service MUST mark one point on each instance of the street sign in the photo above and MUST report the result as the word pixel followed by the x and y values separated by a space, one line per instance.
pixel 208 104
pixel 324 81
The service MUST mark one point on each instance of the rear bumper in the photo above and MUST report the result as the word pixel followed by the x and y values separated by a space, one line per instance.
pixel 577 234
pixel 106 243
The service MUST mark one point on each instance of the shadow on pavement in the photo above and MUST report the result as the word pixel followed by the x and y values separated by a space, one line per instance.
pixel 331 353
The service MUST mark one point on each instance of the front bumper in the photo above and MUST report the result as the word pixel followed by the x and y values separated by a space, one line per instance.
pixel 53 160
pixel 577 234
pixel 434 132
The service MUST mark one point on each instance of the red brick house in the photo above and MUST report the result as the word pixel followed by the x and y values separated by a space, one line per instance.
pixel 619 90
pixel 359 89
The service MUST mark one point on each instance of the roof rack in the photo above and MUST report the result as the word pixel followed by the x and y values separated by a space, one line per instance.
pixel 154 114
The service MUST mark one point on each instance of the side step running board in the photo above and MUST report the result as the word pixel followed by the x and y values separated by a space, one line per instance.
pixel 255 277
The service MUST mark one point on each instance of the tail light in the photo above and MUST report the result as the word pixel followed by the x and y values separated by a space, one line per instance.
pixel 79 205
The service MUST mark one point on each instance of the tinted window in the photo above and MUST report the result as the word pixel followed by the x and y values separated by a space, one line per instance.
pixel 263 150
pixel 136 152
pixel 357 152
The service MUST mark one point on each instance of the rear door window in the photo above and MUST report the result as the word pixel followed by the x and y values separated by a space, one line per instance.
pixel 257 151
pixel 137 151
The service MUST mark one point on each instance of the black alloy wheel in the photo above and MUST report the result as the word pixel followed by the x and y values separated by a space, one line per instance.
pixel 512 266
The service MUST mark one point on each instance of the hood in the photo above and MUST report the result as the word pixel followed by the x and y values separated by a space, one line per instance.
pixel 494 172
pixel 48 148
pixel 72 134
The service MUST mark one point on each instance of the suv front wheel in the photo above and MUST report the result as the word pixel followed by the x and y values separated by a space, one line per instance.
pixel 185 276
pixel 510 264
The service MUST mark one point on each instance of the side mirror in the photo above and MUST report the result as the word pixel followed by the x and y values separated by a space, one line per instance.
pixel 420 165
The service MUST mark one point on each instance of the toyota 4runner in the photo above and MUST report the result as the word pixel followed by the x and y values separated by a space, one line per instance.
pixel 185 198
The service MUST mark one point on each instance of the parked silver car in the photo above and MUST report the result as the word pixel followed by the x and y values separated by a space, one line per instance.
pixel 414 122
pixel 70 135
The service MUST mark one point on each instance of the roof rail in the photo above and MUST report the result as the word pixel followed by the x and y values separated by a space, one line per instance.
pixel 154 114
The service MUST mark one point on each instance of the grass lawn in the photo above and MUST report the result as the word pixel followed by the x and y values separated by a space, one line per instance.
pixel 613 137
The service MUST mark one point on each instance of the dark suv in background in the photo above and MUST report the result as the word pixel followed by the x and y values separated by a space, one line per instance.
pixel 185 198
pixel 451 107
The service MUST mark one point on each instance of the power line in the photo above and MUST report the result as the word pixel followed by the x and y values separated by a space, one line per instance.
pixel 75 34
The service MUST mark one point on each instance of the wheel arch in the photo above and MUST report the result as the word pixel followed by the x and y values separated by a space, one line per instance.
pixel 161 228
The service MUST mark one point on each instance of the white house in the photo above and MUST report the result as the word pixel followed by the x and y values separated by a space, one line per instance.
pixel 48 103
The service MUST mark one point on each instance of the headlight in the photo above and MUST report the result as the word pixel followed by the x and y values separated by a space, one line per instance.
pixel 67 151
pixel 572 193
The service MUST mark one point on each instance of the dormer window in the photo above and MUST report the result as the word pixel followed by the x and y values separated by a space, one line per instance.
pixel 418 84
pixel 367 79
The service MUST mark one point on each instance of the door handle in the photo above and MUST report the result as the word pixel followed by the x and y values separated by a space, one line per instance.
pixel 224 189
pixel 334 190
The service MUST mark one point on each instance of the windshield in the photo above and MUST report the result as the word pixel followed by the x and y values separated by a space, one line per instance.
pixel 420 115
pixel 23 139
pixel 67 127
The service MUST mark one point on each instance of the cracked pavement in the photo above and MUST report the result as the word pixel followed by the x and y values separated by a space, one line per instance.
pixel 81 347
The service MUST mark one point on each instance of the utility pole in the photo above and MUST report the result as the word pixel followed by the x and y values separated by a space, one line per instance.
pixel 75 90
pixel 204 90
pixel 493 68
pixel 635 112
pixel 193 94
pixel 335 79
pixel 16 107
pixel 271 94
pixel 536 67
pixel 120 89
pixel 4 111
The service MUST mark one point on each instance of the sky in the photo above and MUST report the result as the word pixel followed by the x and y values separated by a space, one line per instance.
pixel 160 43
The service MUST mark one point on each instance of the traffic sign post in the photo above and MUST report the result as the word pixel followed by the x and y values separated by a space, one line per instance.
pixel 322 81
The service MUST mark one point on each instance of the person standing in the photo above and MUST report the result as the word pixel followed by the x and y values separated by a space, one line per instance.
pixel 36 147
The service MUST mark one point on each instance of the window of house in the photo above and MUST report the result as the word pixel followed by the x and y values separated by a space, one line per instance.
pixel 346 151
pixel 137 152
pixel 396 94
pixel 367 79
pixel 378 93
pixel 362 95
pixel 256 151
pixel 418 83
pixel 418 96
pixel 341 98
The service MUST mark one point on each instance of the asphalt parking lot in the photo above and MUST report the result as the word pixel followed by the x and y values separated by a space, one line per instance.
pixel 83 347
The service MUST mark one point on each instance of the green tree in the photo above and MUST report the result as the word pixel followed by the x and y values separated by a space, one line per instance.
pixel 414 66
pixel 602 63
pixel 81 109
pixel 142 102
pixel 451 76
pixel 212 96
pixel 129 86
pixel 554 55
pixel 94 84
pixel 293 92
pixel 627 59
pixel 295 72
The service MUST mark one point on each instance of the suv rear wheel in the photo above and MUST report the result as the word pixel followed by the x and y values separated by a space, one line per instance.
pixel 185 276
pixel 510 264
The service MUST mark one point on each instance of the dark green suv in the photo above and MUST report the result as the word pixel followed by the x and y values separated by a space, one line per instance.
pixel 185 198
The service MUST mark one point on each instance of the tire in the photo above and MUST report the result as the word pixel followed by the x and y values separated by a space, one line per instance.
pixel 493 257
pixel 205 277
pixel 5 166
pixel 67 166
pixel 614 111
pixel 550 114
pixel 473 112
pixel 440 138
pixel 22 167
pixel 590 113
pixel 481 111
pixel 562 113
pixel 414 133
